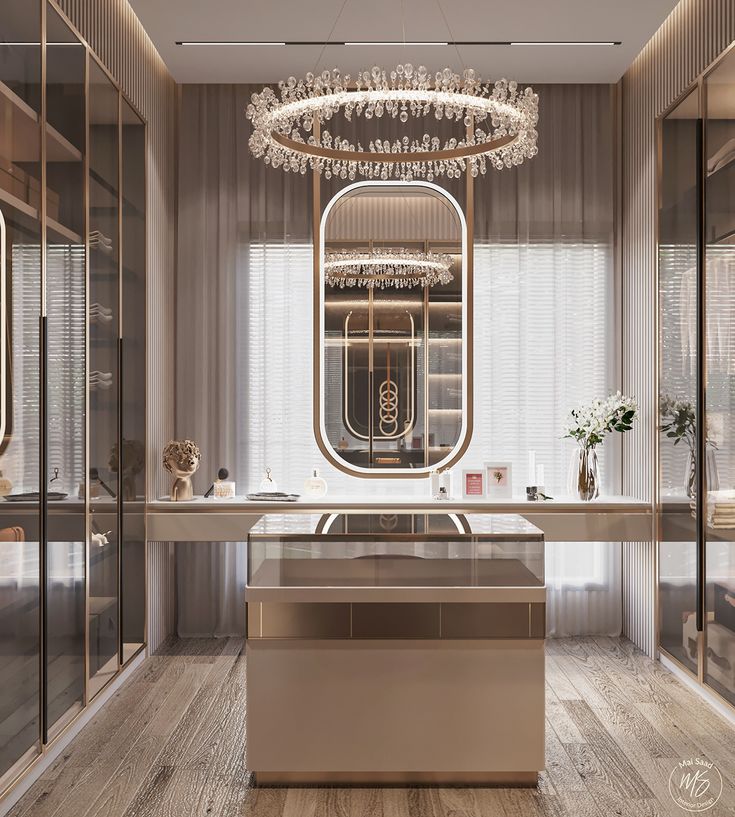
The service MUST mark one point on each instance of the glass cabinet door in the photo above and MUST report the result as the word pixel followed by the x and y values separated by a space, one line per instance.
pixel 719 358
pixel 20 398
pixel 65 370
pixel 677 279
pixel 103 384
pixel 131 457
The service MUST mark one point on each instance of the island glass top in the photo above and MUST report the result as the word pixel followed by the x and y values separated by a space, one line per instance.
pixel 395 550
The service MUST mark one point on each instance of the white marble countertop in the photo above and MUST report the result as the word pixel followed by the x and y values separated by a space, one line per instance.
pixel 412 504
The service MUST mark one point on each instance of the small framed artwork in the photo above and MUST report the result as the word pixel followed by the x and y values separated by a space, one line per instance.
pixel 499 480
pixel 473 483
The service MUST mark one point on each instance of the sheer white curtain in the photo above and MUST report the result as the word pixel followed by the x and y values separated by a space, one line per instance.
pixel 543 316
pixel 544 342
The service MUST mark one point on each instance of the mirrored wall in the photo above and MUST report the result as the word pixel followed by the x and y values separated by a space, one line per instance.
pixel 696 274
pixel 20 398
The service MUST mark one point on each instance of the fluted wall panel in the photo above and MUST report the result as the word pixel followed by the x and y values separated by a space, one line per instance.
pixel 120 42
pixel 693 35
pixel 161 593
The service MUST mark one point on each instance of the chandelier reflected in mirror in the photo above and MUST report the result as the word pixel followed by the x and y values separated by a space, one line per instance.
pixel 383 268
pixel 496 124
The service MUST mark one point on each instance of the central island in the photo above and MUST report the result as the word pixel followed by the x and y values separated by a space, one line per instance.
pixel 395 648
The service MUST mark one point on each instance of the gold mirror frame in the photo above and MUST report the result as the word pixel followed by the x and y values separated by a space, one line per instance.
pixel 319 220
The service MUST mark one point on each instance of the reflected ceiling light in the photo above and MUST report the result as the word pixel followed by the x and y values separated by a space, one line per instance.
pixel 37 44
pixel 497 123
pixel 380 269
pixel 226 42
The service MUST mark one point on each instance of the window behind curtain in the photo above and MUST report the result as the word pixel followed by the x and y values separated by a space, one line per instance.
pixel 543 342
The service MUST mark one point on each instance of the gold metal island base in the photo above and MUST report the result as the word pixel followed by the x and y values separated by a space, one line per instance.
pixel 486 779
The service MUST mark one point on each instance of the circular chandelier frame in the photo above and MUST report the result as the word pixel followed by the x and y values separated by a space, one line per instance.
pixel 499 123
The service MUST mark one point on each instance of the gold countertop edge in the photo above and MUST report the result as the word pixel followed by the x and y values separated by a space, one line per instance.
pixel 519 507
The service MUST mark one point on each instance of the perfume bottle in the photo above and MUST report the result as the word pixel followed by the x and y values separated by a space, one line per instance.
pixel 435 482
pixel 224 489
pixel 6 486
pixel 315 486
pixel 268 485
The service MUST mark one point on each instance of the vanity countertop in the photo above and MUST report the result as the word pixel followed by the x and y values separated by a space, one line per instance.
pixel 355 504
pixel 607 519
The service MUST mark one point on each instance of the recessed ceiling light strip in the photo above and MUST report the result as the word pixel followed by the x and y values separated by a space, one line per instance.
pixel 454 43
pixel 563 43
pixel 392 42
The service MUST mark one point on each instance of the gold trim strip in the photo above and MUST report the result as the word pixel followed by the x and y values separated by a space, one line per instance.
pixel 392 158
pixel 389 620
pixel 496 779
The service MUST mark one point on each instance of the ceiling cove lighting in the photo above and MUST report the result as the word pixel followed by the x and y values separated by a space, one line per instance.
pixel 324 43
pixel 496 123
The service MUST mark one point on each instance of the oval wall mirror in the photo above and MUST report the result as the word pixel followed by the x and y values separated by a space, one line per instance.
pixel 392 318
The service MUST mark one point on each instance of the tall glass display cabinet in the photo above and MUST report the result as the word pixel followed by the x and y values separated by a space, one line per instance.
pixel 72 379
pixel 696 502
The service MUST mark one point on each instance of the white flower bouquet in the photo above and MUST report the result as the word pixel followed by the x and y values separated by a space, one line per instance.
pixel 589 424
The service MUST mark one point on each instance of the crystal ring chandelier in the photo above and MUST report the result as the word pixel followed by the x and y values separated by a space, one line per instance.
pixel 380 269
pixel 498 124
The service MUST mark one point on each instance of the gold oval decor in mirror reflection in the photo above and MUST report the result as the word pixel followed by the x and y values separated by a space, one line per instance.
pixel 392 343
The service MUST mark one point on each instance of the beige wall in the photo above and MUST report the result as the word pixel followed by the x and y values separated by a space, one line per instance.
pixel 119 40
pixel 688 41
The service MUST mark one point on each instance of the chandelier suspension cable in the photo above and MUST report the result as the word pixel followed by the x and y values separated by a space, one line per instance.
pixel 451 35
pixel 329 36
pixel 403 24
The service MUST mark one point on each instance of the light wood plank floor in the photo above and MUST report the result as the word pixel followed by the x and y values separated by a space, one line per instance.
pixel 171 743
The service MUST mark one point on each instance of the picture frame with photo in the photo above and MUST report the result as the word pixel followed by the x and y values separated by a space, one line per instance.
pixel 473 483
pixel 498 480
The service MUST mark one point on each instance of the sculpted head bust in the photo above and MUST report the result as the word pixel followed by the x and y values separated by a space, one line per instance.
pixel 181 458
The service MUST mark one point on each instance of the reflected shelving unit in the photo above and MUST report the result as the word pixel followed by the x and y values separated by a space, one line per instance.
pixel 73 284
pixel 696 296
pixel 414 335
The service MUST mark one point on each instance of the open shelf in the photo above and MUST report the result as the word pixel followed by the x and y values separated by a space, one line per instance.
pixel 59 148
pixel 18 204
pixel 25 132
pixel 64 232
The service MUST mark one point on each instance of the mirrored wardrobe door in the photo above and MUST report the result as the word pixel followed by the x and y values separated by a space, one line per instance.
pixel 20 422
pixel 678 361
pixel 719 473
pixel 103 384
pixel 65 372
pixel 130 459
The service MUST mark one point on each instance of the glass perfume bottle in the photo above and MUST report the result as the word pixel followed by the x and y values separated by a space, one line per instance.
pixel 268 485
pixel 315 486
